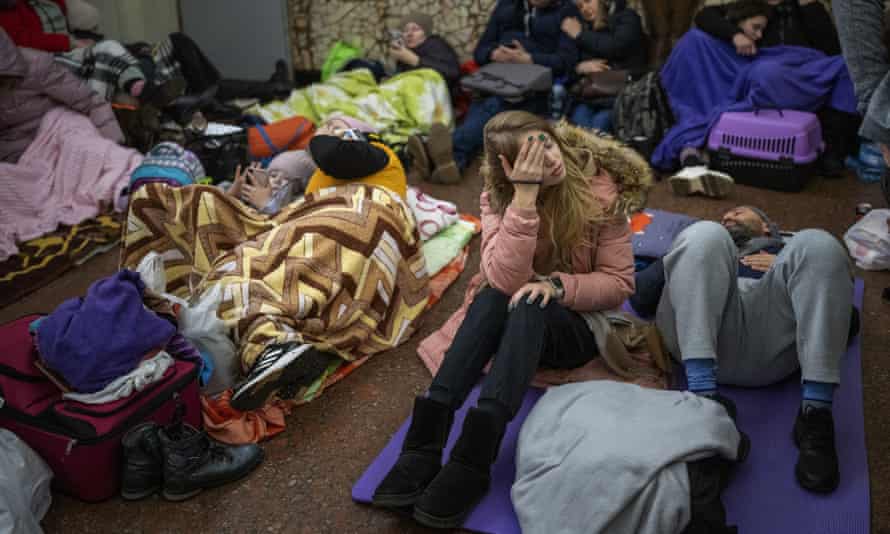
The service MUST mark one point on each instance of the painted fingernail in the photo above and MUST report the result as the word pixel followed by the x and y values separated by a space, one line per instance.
pixel 542 137
pixel 531 138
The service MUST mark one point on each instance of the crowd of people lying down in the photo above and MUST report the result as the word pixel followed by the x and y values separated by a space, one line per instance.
pixel 316 252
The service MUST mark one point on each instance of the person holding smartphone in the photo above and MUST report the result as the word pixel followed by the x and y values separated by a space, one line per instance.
pixel 416 47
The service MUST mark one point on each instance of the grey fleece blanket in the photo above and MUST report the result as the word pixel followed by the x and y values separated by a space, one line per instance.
pixel 610 457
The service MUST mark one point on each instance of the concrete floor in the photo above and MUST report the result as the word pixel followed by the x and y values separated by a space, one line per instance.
pixel 304 485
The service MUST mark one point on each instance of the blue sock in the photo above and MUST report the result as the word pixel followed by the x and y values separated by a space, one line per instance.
pixel 701 375
pixel 817 394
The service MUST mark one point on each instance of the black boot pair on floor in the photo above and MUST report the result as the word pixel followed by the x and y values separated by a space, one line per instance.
pixel 817 467
pixel 180 461
pixel 442 496
pixel 432 160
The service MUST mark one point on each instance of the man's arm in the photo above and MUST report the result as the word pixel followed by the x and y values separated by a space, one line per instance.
pixel 712 20
pixel 859 24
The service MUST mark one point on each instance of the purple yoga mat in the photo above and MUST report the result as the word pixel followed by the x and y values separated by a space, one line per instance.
pixel 764 497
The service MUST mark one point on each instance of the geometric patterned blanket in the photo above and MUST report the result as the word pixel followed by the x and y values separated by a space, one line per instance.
pixel 342 269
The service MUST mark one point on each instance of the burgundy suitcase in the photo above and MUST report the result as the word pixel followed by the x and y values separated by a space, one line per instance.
pixel 80 442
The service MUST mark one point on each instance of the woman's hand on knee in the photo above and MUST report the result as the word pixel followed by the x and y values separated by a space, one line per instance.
pixel 532 291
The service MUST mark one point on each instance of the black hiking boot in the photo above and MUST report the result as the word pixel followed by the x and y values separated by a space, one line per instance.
pixel 143 470
pixel 194 462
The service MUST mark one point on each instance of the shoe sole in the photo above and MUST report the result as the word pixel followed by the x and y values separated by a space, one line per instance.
pixel 177 497
pixel 441 153
pixel 432 521
pixel 255 393
pixel 397 501
pixel 420 160
pixel 134 496
pixel 709 185
pixel 824 488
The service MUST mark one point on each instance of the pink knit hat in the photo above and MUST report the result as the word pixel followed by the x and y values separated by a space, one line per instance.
pixel 355 124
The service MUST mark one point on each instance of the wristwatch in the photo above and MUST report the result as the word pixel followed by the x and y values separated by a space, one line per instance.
pixel 557 285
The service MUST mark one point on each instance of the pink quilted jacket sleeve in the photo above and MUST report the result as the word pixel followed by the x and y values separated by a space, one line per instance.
pixel 508 246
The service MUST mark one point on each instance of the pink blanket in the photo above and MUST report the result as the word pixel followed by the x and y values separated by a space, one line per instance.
pixel 69 173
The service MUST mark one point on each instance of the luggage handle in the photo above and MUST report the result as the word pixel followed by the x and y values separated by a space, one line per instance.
pixel 758 110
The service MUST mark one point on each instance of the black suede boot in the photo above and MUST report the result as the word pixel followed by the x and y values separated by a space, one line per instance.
pixel 465 479
pixel 193 462
pixel 143 469
pixel 421 457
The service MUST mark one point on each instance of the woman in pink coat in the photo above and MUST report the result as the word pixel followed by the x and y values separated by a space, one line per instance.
pixel 555 246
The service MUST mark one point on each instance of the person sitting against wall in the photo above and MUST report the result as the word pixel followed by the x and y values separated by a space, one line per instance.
pixel 555 249
pixel 416 47
pixel 610 37
pixel 804 23
pixel 517 32
pixel 738 61
pixel 739 305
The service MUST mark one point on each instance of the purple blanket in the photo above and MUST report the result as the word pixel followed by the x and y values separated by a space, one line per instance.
pixel 705 77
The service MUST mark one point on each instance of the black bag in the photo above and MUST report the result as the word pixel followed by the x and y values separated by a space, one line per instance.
pixel 509 80
pixel 643 114
pixel 220 154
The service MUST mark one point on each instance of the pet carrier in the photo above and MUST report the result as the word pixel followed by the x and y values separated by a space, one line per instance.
pixel 774 149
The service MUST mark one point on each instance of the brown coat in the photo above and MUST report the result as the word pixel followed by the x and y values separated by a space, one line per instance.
pixel 44 85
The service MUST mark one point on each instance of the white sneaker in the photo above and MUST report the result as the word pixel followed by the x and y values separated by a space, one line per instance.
pixel 701 180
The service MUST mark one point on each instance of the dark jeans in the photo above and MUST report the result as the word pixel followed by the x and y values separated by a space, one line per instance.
pixel 520 340
pixel 467 138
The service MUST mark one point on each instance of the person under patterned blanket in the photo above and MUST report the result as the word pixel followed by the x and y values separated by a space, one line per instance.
pixel 339 272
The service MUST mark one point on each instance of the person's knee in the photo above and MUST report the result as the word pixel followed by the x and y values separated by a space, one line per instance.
pixel 533 311
pixel 493 300
pixel 767 70
pixel 819 250
pixel 706 236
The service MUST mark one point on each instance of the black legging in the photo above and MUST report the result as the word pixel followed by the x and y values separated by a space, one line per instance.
pixel 520 340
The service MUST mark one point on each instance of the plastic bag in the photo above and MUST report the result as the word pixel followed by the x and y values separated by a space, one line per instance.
pixel 200 324
pixel 869 241
pixel 24 486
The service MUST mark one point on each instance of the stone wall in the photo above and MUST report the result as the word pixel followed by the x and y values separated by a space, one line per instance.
pixel 317 24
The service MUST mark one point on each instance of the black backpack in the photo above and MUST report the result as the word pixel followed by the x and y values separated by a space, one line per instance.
pixel 643 114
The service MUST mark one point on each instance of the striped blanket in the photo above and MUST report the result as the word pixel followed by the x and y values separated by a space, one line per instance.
pixel 342 269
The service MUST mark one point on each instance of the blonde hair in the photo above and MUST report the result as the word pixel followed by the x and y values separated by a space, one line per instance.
pixel 568 209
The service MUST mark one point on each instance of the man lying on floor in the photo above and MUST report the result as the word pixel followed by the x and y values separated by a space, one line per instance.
pixel 340 273
pixel 741 306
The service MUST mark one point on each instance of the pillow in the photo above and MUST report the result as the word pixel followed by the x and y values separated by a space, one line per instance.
pixel 654 231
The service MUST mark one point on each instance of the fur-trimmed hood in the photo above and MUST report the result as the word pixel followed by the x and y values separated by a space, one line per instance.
pixel 628 168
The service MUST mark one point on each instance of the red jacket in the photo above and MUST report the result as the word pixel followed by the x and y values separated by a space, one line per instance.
pixel 23 26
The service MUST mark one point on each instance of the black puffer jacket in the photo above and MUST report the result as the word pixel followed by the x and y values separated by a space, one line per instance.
pixel 622 42
pixel 789 24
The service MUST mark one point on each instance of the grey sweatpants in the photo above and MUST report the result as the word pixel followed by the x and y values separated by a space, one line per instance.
pixel 759 331
pixel 859 26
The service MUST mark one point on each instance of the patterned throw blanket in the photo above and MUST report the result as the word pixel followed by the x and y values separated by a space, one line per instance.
pixel 342 269
pixel 406 104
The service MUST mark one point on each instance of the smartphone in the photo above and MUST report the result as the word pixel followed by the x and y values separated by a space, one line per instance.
pixel 395 37
pixel 259 177
pixel 351 135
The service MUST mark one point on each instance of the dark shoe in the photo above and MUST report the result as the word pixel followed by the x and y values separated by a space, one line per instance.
pixel 277 367
pixel 441 153
pixel 421 166
pixel 465 479
pixel 143 471
pixel 727 404
pixel 744 440
pixel 280 74
pixel 193 462
pixel 421 457
pixel 708 478
pixel 832 165
pixel 817 467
